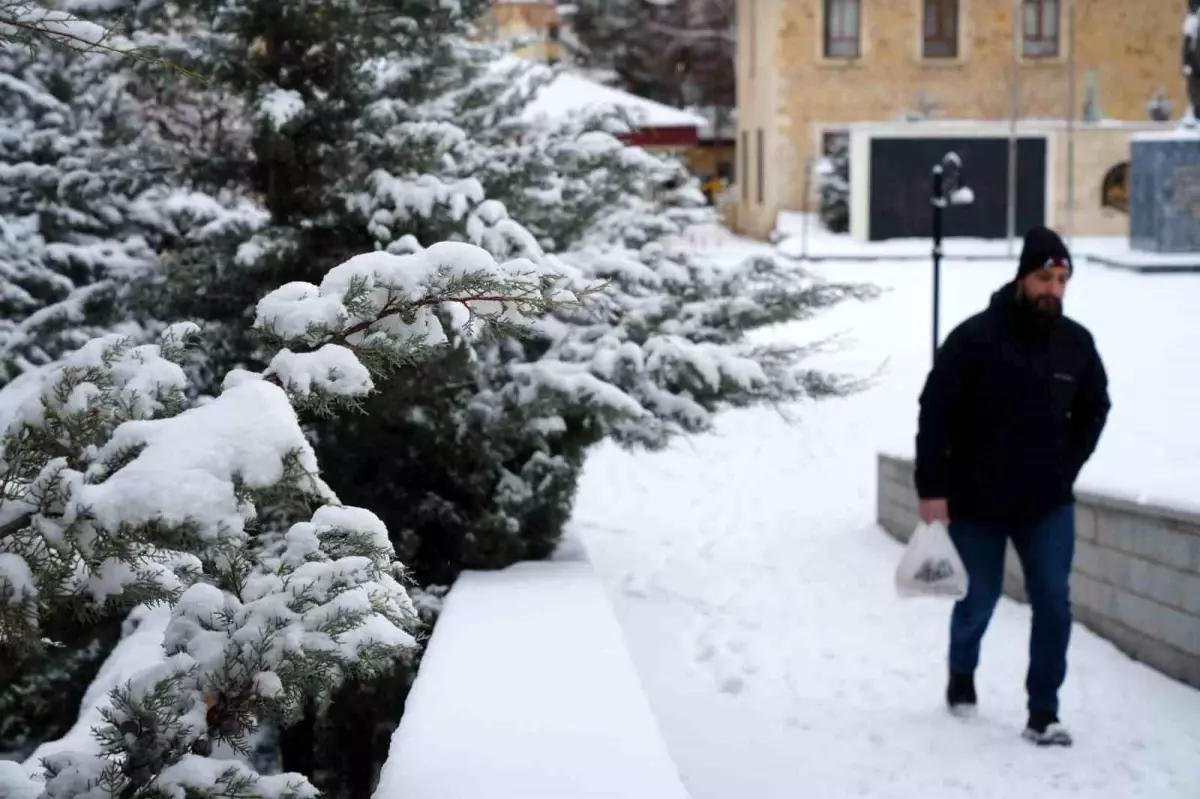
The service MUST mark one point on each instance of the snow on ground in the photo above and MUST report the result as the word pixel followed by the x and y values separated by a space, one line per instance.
pixel 756 591
pixel 527 690
pixel 800 235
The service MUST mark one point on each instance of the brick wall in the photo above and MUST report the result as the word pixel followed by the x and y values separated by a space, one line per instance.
pixel 1136 577
pixel 1131 48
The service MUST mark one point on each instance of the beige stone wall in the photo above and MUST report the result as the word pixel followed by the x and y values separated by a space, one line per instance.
pixel 1132 48
pixel 758 81
pixel 1097 150
pixel 507 20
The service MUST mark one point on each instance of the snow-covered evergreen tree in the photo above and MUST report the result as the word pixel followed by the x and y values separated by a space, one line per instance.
pixel 69 237
pixel 538 404
pixel 62 244
pixel 117 493
pixel 29 24
pixel 410 133
pixel 89 198
pixel 386 127
pixel 833 183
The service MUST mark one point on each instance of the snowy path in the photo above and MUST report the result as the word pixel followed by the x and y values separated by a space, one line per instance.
pixel 756 592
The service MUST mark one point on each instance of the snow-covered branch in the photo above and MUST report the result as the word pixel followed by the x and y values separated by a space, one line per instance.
pixel 380 311
pixel 28 23
pixel 116 495
pixel 25 23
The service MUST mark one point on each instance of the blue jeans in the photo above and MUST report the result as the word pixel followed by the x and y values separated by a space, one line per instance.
pixel 1045 550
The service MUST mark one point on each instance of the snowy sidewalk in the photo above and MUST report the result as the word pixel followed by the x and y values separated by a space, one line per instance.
pixel 756 591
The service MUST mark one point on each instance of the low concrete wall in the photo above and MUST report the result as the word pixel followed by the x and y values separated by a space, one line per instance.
pixel 527 689
pixel 1136 577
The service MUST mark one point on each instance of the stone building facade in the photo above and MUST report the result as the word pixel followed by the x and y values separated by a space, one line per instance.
pixel 807 69
pixel 534 20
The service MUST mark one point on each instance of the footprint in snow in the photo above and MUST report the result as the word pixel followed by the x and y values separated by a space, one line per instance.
pixel 631 586
pixel 733 685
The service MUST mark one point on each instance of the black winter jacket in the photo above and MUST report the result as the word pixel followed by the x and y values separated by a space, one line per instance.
pixel 1010 413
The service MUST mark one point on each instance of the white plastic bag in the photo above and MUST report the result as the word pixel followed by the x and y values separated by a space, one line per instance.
pixel 931 565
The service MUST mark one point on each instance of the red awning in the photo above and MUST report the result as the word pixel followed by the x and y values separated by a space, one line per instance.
pixel 663 137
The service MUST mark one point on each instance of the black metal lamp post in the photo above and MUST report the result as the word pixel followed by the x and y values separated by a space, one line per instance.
pixel 948 189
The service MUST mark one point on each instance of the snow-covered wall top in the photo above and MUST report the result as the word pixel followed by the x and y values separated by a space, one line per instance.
pixel 1178 134
pixel 527 690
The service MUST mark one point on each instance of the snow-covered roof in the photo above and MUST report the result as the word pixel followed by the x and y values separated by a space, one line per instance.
pixel 570 93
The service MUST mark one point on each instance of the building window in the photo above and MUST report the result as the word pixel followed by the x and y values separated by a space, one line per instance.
pixel 759 177
pixel 745 176
pixel 552 32
pixel 843 28
pixel 1041 28
pixel 941 29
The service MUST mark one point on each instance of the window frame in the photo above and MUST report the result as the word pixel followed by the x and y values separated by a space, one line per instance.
pixel 947 16
pixel 1039 44
pixel 848 46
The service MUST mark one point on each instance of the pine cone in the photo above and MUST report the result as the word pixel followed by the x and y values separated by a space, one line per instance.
pixel 215 713
pixel 230 725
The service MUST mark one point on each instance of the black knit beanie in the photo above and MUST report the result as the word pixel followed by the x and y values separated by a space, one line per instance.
pixel 1043 247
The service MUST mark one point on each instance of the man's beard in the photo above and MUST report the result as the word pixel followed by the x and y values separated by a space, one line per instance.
pixel 1046 307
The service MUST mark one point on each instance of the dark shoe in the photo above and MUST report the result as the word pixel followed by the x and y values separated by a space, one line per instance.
pixel 960 695
pixel 1044 729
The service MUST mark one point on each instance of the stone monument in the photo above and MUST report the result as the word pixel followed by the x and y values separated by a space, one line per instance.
pixel 1165 168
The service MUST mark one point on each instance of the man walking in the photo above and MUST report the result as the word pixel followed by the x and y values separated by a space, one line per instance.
pixel 1012 410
